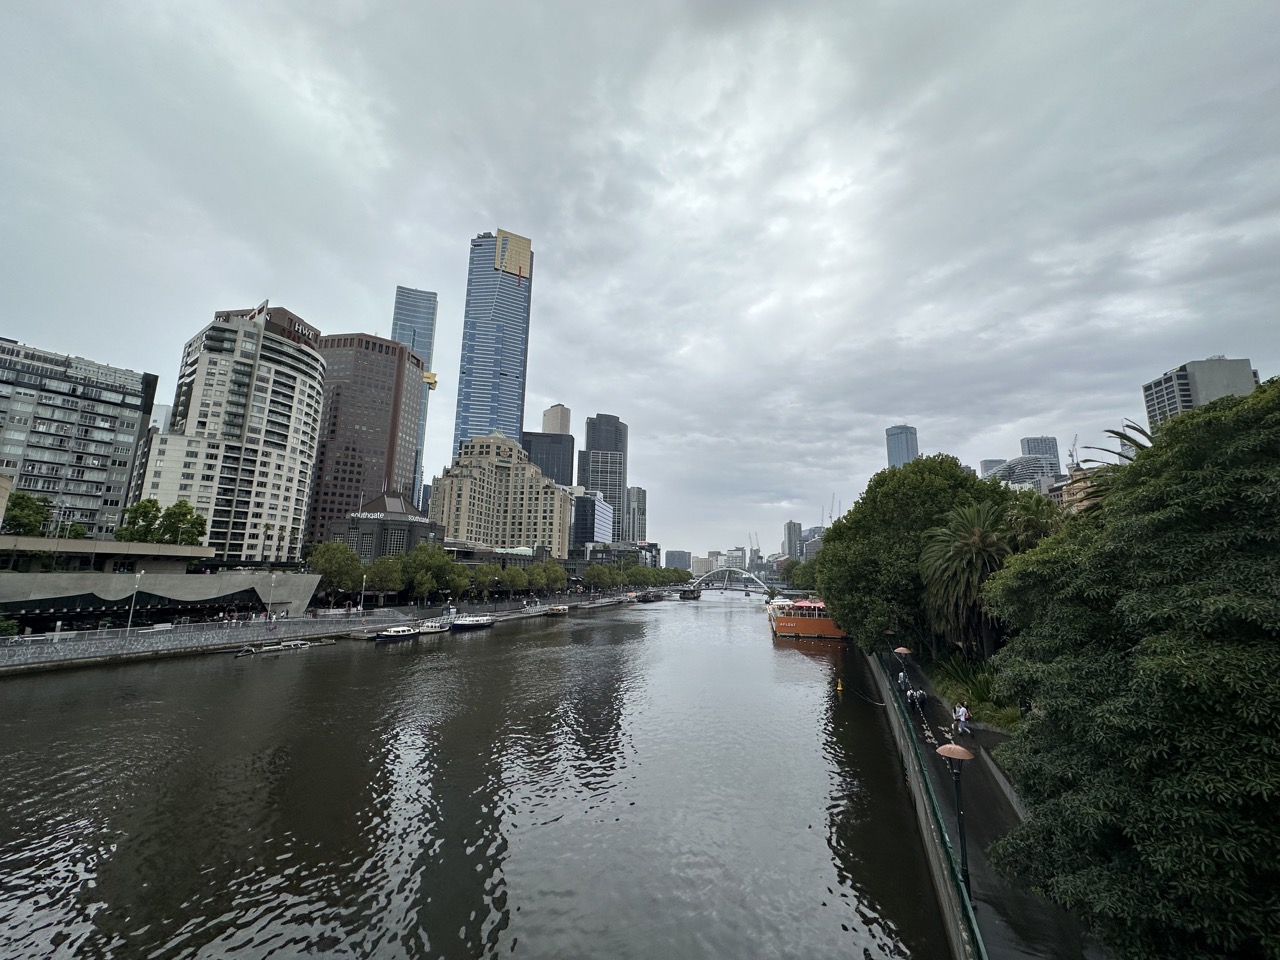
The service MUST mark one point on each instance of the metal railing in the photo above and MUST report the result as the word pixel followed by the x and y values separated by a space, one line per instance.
pixel 935 813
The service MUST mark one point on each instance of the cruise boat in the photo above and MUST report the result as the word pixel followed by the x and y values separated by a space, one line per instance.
pixel 475 621
pixel 557 610
pixel 396 634
pixel 807 619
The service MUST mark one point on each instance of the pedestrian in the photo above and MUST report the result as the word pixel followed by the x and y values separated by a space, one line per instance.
pixel 962 720
pixel 902 680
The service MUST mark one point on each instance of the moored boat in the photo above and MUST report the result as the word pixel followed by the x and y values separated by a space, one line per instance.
pixel 557 610
pixel 808 619
pixel 246 652
pixel 428 627
pixel 474 621
pixel 396 634
pixel 691 593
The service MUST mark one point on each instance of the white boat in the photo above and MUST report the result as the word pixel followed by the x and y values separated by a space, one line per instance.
pixel 396 634
pixel 557 610
pixel 439 625
pixel 473 622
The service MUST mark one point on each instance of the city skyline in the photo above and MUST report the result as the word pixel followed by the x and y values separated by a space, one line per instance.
pixel 757 267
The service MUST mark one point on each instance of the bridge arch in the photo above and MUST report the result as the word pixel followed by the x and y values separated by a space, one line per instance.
pixel 730 578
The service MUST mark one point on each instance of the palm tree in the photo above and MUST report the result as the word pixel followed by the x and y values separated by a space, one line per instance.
pixel 1030 517
pixel 956 560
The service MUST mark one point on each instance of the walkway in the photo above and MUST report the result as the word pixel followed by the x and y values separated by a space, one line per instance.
pixel 1015 923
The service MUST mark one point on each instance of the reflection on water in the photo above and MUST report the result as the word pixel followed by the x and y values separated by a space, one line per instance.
pixel 657 780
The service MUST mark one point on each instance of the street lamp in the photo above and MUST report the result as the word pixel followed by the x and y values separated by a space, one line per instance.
pixel 955 756
pixel 137 579
pixel 902 666
pixel 364 580
pixel 271 597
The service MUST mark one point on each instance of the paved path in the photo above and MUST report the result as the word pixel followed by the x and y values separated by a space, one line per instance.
pixel 1014 922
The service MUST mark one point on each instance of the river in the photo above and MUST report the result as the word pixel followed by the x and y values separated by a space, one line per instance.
pixel 660 780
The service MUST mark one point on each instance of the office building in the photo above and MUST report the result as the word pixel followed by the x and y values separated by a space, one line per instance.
pixel 900 440
pixel 242 439
pixel 636 529
pixel 678 560
pixel 70 430
pixel 1026 470
pixel 387 525
pixel 602 465
pixel 552 453
pixel 791 539
pixel 413 323
pixel 592 517
pixel 1046 448
pixel 371 439
pixel 986 466
pixel 555 419
pixel 495 338
pixel 493 495
pixel 1196 383
pixel 700 566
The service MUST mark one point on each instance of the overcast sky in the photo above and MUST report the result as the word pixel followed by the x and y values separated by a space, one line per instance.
pixel 763 232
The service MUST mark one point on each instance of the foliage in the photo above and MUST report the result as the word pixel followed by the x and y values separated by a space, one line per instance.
pixel 75 531
pixel 9 628
pixel 424 585
pixel 955 560
pixel 145 522
pixel 26 515
pixel 804 576
pixel 514 579
pixel 1029 517
pixel 386 574
pixel 487 578
pixel 868 568
pixel 339 567
pixel 1149 648
pixel 787 569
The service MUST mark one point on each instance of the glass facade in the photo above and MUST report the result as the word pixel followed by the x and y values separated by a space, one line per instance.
pixel 413 323
pixel 901 443
pixel 495 338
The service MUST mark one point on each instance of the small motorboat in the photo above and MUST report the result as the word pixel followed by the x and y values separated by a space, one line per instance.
pixel 396 634
pixel 475 621
pixel 428 627
pixel 557 610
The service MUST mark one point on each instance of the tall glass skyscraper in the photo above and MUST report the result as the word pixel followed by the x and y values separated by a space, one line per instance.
pixel 414 324
pixel 495 338
pixel 901 443
pixel 602 465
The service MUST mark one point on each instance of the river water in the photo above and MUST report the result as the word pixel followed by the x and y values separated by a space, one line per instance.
pixel 660 780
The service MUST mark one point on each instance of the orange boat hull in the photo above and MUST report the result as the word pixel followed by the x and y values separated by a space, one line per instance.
pixel 810 628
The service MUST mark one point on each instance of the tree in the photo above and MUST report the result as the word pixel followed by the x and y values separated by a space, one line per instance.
pixel 868 570
pixel 1148 645
pixel 424 584
pixel 804 576
pixel 488 577
pixel 8 627
pixel 1029 517
pixel 339 567
pixel 514 580
pixel 26 515
pixel 180 524
pixel 386 575
pixel 955 560
pixel 138 523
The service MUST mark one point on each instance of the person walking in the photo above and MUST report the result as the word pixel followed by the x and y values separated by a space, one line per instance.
pixel 962 720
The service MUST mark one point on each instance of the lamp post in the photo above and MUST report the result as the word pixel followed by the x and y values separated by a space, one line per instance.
pixel 902 666
pixel 955 756
pixel 137 579
pixel 364 580
pixel 271 597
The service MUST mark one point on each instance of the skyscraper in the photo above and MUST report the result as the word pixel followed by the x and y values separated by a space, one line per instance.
pixel 413 323
pixel 495 338
pixel 242 439
pixel 901 443
pixel 602 465
pixel 791 531
pixel 73 429
pixel 552 453
pixel 1196 383
pixel 555 419
pixel 637 525
pixel 1047 449
pixel 372 431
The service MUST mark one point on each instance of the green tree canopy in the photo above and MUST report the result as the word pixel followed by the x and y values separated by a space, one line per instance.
pixel 26 515
pixel 868 570
pixel 386 574
pixel 180 524
pixel 955 560
pixel 1148 643
pixel 138 523
pixel 339 567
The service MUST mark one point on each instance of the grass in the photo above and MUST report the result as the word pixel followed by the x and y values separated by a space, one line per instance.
pixel 957 679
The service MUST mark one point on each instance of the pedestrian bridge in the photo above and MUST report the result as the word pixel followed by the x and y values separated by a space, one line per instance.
pixel 730 580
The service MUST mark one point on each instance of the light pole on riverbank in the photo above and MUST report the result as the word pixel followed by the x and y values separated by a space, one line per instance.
pixel 903 683
pixel 955 756
pixel 137 579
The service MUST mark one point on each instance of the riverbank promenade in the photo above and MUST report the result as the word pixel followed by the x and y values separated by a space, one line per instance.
pixel 1014 922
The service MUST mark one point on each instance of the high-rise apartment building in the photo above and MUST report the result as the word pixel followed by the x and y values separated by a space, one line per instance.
pixel 413 323
pixel 592 518
pixel 1046 448
pixel 1196 383
pixel 493 495
pixel 637 525
pixel 555 419
pixel 602 465
pixel 552 453
pixel 495 338
pixel 678 560
pixel 70 430
pixel 242 440
pixel 371 439
pixel 900 440
pixel 791 539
